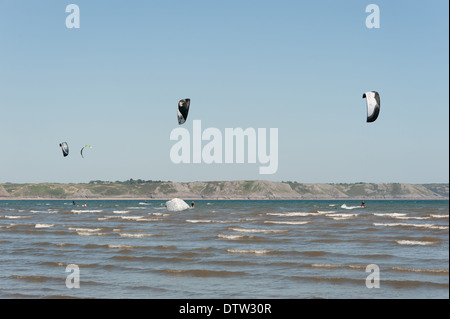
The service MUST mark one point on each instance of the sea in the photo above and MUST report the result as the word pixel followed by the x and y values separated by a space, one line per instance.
pixel 261 249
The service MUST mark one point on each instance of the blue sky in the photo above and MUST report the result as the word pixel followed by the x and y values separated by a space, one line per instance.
pixel 299 66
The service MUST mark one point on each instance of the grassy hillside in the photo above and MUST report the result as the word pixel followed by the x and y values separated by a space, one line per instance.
pixel 224 190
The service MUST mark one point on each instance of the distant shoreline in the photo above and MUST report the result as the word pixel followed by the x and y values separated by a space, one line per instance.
pixel 223 190
pixel 211 198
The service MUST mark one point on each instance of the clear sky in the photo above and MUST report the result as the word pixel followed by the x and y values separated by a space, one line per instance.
pixel 299 66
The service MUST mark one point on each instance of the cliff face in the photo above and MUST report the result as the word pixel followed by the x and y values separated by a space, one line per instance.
pixel 225 190
pixel 3 192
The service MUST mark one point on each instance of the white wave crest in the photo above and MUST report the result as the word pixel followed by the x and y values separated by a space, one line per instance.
pixel 414 242
pixel 119 246
pixel 286 223
pixel 350 207
pixel 264 231
pixel 121 211
pixel 207 221
pixel 245 251
pixel 81 211
pixel 160 214
pixel 231 237
pixel 44 225
pixel 290 214
pixel 342 216
pixel 438 216
pixel 16 217
pixel 428 226
pixel 82 229
pixel 90 234
pixel 389 214
pixel 128 235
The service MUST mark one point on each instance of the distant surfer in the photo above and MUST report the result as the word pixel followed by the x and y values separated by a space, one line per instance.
pixel 362 204
pixel 192 204
pixel 73 202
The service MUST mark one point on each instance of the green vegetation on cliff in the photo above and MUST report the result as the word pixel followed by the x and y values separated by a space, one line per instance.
pixel 255 189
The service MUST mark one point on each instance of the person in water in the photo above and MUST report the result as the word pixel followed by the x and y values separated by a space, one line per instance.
pixel 362 204
pixel 192 204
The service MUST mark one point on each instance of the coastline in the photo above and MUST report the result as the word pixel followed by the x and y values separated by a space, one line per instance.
pixel 249 198
pixel 223 190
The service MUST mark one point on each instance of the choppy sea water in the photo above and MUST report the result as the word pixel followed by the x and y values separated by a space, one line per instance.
pixel 224 249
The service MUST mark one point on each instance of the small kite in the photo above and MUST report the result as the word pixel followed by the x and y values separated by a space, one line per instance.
pixel 183 110
pixel 64 148
pixel 373 105
pixel 83 149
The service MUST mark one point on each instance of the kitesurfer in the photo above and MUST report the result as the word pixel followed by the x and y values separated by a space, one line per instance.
pixel 362 204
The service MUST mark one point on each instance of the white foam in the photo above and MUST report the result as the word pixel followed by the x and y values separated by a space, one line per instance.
pixel 108 217
pixel 16 217
pixel 127 235
pixel 81 233
pixel 429 226
pixel 338 266
pixel 439 271
pixel 350 207
pixel 231 237
pixel 265 231
pixel 289 214
pixel 199 221
pixel 321 212
pixel 119 246
pixel 414 242
pixel 81 229
pixel 139 218
pixel 206 221
pixel 160 214
pixel 439 216
pixel 244 251
pixel 132 217
pixel 121 211
pixel 327 266
pixel 343 216
pixel 80 211
pixel 148 219
pixel 298 214
pixel 286 223
pixel 389 214
pixel 44 225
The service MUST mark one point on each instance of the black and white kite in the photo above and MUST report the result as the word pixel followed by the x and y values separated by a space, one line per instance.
pixel 64 148
pixel 183 110
pixel 373 105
